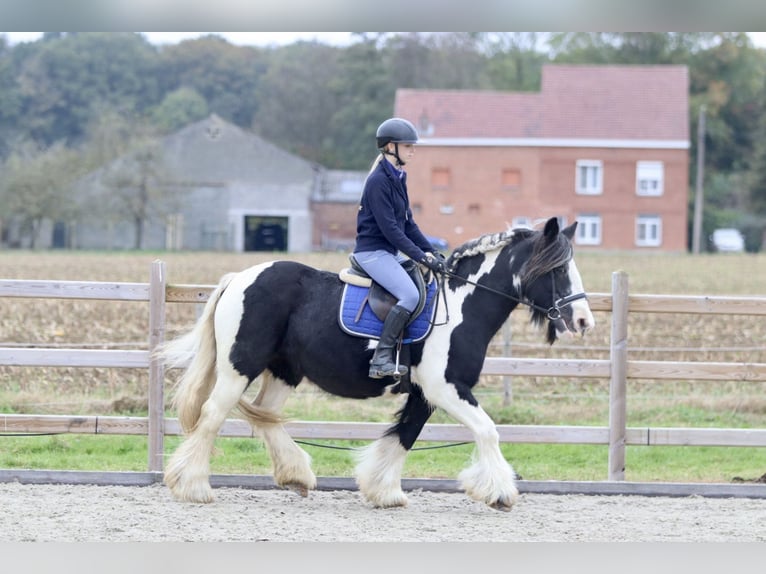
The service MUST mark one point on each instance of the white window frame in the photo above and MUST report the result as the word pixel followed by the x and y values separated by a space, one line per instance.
pixel 589 226
pixel 589 177
pixel 644 236
pixel 650 178
pixel 521 221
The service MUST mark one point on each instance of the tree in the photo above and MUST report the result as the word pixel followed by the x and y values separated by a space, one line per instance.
pixel 365 96
pixel 65 79
pixel 178 109
pixel 37 187
pixel 10 100
pixel 436 60
pixel 627 47
pixel 226 76
pixel 757 175
pixel 514 60
pixel 134 182
pixel 296 100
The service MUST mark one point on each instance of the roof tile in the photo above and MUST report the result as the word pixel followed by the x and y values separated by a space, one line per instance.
pixel 575 101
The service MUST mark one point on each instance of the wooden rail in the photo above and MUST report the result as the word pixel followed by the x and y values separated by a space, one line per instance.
pixel 618 369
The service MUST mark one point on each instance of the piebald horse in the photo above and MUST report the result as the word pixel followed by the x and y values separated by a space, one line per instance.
pixel 278 322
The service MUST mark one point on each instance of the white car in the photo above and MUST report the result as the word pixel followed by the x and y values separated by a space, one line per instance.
pixel 728 240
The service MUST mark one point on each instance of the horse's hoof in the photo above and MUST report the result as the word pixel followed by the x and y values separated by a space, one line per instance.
pixel 301 489
pixel 201 495
pixel 395 500
pixel 502 506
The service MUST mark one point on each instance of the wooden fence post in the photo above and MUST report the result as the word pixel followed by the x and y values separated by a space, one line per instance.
pixel 157 286
pixel 618 355
pixel 507 379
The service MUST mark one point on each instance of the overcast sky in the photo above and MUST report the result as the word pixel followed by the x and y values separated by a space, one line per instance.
pixel 265 38
pixel 239 38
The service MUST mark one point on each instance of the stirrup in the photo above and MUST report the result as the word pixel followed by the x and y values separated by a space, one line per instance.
pixel 377 372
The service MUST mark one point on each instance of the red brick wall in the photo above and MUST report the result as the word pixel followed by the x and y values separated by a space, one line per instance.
pixel 480 204
pixel 334 225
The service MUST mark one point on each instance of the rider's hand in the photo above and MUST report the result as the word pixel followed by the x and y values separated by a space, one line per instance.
pixel 434 262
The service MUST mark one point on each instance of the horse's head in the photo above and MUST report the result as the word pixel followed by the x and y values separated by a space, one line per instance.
pixel 551 283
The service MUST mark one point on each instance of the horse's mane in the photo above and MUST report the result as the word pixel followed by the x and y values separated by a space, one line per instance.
pixel 483 244
pixel 545 256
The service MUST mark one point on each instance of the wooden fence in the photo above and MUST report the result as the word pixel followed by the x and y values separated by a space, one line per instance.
pixel 618 369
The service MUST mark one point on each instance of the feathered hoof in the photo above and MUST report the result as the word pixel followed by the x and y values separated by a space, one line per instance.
pixel 503 504
pixel 389 500
pixel 189 491
pixel 299 488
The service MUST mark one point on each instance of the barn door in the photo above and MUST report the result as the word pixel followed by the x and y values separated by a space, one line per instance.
pixel 265 233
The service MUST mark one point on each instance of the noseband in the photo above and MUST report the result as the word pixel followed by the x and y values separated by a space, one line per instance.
pixel 554 313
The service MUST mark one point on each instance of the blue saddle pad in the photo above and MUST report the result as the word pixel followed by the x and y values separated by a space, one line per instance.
pixel 370 327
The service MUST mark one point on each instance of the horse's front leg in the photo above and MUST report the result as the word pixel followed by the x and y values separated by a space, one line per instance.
pixel 490 478
pixel 379 468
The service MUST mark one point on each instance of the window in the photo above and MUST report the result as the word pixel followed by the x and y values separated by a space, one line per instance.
pixel 588 229
pixel 511 179
pixel 440 178
pixel 588 180
pixel 648 231
pixel 649 178
pixel 521 221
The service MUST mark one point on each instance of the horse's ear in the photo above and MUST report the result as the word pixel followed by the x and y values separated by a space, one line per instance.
pixel 570 231
pixel 551 229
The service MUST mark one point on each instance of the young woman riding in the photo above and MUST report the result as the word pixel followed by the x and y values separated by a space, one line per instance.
pixel 386 232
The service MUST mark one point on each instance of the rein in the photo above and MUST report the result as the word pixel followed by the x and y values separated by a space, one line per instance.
pixel 553 313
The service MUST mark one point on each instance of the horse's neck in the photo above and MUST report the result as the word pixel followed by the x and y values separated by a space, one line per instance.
pixel 489 309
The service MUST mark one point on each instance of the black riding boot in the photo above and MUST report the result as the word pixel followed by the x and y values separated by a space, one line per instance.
pixel 383 363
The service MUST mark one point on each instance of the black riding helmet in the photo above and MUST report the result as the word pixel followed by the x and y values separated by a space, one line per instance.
pixel 396 131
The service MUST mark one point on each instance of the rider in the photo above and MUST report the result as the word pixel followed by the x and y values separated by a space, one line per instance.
pixel 386 232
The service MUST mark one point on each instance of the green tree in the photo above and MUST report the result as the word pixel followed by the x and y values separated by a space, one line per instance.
pixel 514 60
pixel 436 60
pixel 365 98
pixel 10 100
pixel 179 108
pixel 64 79
pixel 626 47
pixel 226 76
pixel 37 187
pixel 134 180
pixel 296 100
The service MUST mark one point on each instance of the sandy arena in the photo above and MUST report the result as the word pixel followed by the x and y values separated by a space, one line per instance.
pixel 69 513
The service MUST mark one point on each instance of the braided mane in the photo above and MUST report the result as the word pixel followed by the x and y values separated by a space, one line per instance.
pixel 545 257
pixel 486 243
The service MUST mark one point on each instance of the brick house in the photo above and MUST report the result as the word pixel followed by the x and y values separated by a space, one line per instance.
pixel 605 145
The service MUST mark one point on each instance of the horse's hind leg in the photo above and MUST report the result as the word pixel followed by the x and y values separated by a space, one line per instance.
pixel 292 465
pixel 188 470
pixel 379 469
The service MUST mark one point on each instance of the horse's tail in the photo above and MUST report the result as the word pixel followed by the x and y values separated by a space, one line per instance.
pixel 196 350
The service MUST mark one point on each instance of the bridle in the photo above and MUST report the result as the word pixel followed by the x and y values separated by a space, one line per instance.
pixel 553 312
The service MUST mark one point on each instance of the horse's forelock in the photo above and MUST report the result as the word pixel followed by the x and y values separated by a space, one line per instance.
pixel 546 256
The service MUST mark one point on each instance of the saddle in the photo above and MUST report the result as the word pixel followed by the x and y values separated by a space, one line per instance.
pixel 380 300
pixel 365 304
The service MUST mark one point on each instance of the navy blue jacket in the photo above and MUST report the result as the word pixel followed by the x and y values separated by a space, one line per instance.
pixel 384 220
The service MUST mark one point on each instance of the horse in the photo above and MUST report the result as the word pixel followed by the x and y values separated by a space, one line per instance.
pixel 278 322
